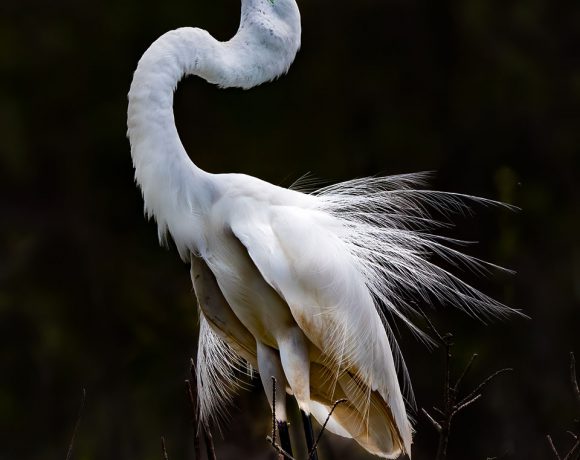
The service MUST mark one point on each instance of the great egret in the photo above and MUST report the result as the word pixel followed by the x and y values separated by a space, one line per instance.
pixel 295 285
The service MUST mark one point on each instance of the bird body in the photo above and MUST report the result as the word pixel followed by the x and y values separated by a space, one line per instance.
pixel 298 286
pixel 283 272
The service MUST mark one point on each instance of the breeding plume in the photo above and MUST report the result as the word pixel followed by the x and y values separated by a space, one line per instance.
pixel 299 286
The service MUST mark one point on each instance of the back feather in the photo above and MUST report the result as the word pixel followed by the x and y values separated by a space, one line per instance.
pixel 386 224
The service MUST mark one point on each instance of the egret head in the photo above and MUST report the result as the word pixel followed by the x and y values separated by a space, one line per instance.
pixel 270 32
pixel 275 18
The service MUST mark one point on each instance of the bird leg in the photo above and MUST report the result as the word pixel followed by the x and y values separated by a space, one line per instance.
pixel 284 435
pixel 296 364
pixel 312 454
pixel 273 378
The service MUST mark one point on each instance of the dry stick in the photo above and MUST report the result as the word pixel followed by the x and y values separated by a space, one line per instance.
pixel 435 424
pixel 574 452
pixel 448 401
pixel 282 454
pixel 553 447
pixel 334 406
pixel 273 410
pixel 465 372
pixel 573 378
pixel 209 447
pixel 192 394
pixel 195 421
pixel 451 406
pixel 77 423
pixel 207 436
pixel 163 449
pixel 444 427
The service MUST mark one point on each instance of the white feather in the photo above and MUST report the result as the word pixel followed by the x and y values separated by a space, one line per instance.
pixel 313 278
pixel 218 374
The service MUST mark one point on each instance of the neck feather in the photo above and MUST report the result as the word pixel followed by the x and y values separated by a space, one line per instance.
pixel 174 189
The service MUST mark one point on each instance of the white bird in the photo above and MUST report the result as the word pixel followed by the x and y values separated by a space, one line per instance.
pixel 298 286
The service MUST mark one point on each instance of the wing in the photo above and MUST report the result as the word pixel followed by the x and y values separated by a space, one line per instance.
pixel 299 252
pixel 219 314
pixel 223 335
pixel 225 347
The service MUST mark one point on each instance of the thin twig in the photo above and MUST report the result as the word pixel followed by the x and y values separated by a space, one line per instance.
pixel 465 372
pixel 279 449
pixel 195 419
pixel 574 452
pixel 334 406
pixel 483 384
pixel 553 447
pixel 207 436
pixel 274 410
pixel 163 449
pixel 430 324
pixel 465 404
pixel 439 411
pixel 281 453
pixel 573 378
pixel 209 447
pixel 451 405
pixel 77 423
pixel 435 424
pixel 192 393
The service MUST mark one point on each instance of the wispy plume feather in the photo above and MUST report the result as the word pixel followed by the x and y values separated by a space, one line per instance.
pixel 218 374
pixel 386 225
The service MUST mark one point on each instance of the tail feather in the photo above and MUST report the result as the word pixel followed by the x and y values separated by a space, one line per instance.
pixel 370 424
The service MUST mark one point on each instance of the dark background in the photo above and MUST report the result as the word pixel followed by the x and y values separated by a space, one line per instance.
pixel 485 93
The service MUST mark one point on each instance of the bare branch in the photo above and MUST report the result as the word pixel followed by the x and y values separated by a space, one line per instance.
pixel 439 411
pixel 209 447
pixel 483 384
pixel 192 394
pixel 465 372
pixel 432 420
pixel 274 410
pixel 430 324
pixel 573 378
pixel 451 406
pixel 207 436
pixel 274 442
pixel 553 447
pixel 574 453
pixel 334 406
pixel 279 449
pixel 465 404
pixel 77 423
pixel 163 449
pixel 195 419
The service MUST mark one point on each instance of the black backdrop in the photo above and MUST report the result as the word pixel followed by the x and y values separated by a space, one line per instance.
pixel 485 93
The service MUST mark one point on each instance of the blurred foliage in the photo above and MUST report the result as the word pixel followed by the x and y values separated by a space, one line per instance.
pixel 486 93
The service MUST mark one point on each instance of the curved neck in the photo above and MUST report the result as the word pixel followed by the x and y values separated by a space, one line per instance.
pixel 262 49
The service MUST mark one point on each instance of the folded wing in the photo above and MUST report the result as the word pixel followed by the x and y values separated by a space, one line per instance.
pixel 300 254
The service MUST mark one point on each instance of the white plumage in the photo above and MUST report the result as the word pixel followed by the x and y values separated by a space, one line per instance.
pixel 296 285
